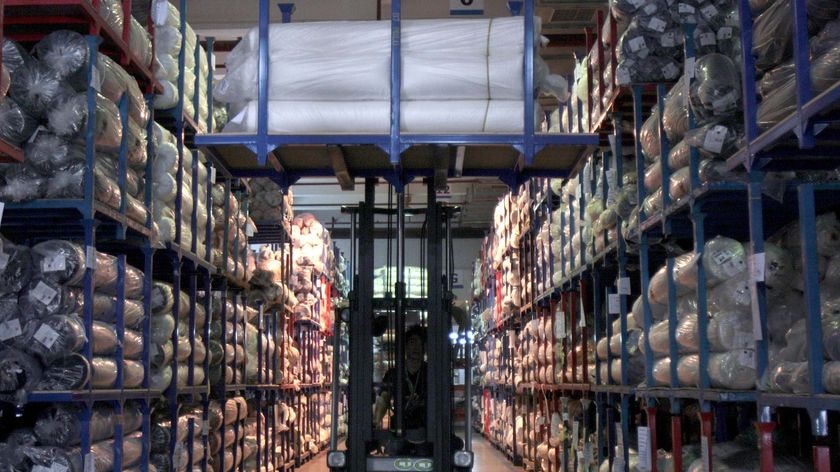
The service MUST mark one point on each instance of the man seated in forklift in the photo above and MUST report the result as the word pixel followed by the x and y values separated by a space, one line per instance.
pixel 414 396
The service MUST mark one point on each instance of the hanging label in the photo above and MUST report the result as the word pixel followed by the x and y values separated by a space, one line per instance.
pixel 54 263
pixel 724 33
pixel 623 75
pixel 249 230
pixel 709 11
pixel 575 433
pixel 656 24
pixel 90 257
pixel 715 137
pixel 212 174
pixel 43 293
pixel 650 8
pixel 707 39
pixel 644 448
pixel 704 452
pixel 96 79
pixel 56 467
pixel 619 436
pixel 46 335
pixel 624 286
pixel 685 9
pixel 614 303
pixel 559 324
pixel 10 329
pixel 637 44
pixel 668 40
pixel 756 313
pixel 689 72
pixel 757 265
pixel 746 358
pixel 2 207
pixel 741 340
pixel 4 260
pixel 670 71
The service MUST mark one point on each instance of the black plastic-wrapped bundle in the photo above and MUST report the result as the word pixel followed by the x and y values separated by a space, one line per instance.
pixel 68 115
pixel 21 183
pixel 160 355
pixel 64 262
pixel 825 69
pixel 773 79
pixel 716 92
pixel 14 55
pixel 18 370
pixel 54 337
pixel 715 139
pixel 48 152
pixel 827 38
pixel 59 425
pixel 772 31
pixel 66 53
pixel 44 298
pixel 68 373
pixel 15 268
pixel 16 124
pixel 35 87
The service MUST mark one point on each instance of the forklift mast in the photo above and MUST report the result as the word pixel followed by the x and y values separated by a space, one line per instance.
pixel 363 436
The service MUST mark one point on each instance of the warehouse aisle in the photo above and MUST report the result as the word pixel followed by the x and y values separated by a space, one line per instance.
pixel 487 459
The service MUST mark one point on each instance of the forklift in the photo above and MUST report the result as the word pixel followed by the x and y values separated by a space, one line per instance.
pixel 373 447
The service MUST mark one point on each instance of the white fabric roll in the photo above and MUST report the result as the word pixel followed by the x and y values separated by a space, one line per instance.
pixel 169 98
pixel 730 330
pixel 731 295
pixel 733 369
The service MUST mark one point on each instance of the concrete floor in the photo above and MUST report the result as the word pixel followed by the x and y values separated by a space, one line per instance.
pixel 487 459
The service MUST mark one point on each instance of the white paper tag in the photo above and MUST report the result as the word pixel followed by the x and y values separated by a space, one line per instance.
pixel 715 137
pixel 46 335
pixel 757 266
pixel 161 12
pixel 704 452
pixel 689 70
pixel 721 257
pixel 741 340
pixel 54 263
pixel 623 75
pixel 707 39
pixel 670 71
pixel 685 8
pixel 619 436
pixel 637 44
pixel 724 33
pixel 724 103
pixel 746 358
pixel 44 293
pixel 559 324
pixel 40 468
pixel 90 257
pixel 756 313
pixel 2 207
pixel 4 260
pixel 587 455
pixel 656 24
pixel 668 40
pixel 249 230
pixel 650 8
pixel 614 303
pixel 212 174
pixel 623 285
pixel 709 11
pixel 89 466
pixel 96 80
pixel 575 433
pixel 10 329
pixel 644 448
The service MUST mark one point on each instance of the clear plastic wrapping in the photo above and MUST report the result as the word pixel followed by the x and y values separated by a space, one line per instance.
pixel 18 370
pixel 140 43
pixel 716 92
pixel 35 87
pixel 14 55
pixel 16 124
pixel 59 425
pixel 730 330
pixel 16 267
pixel 54 337
pixel 731 295
pixel 66 53
pixel 104 373
pixel 662 372
pixel 47 152
pixel 790 377
pixel 68 373
pixel 67 117
pixel 732 370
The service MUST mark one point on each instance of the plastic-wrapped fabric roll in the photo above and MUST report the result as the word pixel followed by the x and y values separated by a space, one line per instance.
pixel 731 295
pixel 714 139
pixel 35 87
pixel 772 31
pixel 235 409
pixel 788 377
pixel 140 43
pixel 732 370
pixel 730 330
pixel 184 350
pixel 161 379
pixel 778 266
pixel 168 98
pixel 66 52
pixel 48 152
pixel 680 184
pixel 105 341
pixel 54 337
pixel 112 13
pixel 163 326
pixel 658 339
pixel 105 309
pixel 602 348
pixel 635 370
pixel 662 372
pixel 104 373
pixel 658 311
pixel 68 117
pixel 776 78
pixel 22 183
pixel 632 343
pixel 16 124
pixel 59 425
pixel 18 370
pixel 68 373
pixel 184 375
pixel 15 268
pixel 686 334
pixel 675 118
pixel 688 370
pixel 831 377
pixel 724 258
pixel 14 55
pixel 782 313
pixel 160 354
pixel 161 431
pixel 163 300
pixel 716 92
pixel 649 136
pixel 828 234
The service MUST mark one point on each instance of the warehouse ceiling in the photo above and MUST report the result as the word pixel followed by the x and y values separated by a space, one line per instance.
pixel 564 23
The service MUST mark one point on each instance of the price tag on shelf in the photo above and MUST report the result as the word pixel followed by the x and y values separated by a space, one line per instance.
pixel 46 335
pixel 90 257
pixel 4 260
pixel 43 293
pixel 643 434
pixel 746 358
pixel 10 329
pixel 54 263
pixel 704 452
pixel 614 303
pixel 624 286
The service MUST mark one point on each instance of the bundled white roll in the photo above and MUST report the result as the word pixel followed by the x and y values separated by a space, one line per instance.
pixel 723 258
pixel 791 377
pixel 778 266
pixel 733 370
pixel 658 311
pixel 731 295
pixel 730 330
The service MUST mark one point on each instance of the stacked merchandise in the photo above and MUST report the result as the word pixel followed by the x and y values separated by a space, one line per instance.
pixel 139 42
pixel 270 204
pixel 189 447
pixel 258 438
pixel 731 362
pixel 788 352
pixel 53 443
pixel 466 65
pixel 259 348
pixel 231 336
pixel 313 258
pixel 171 330
pixel 537 353
pixel 235 450
pixel 512 223
pixel 307 435
pixel 773 50
pixel 608 352
pixel 493 365
pixel 41 323
pixel 268 282
pixel 170 47
pixel 341 285
pixel 500 428
pixel 286 420
pixel 47 112
pixel 230 230
pixel 192 192
pixel 650 46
